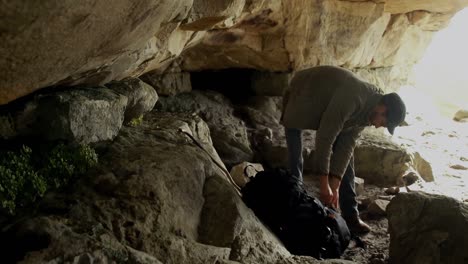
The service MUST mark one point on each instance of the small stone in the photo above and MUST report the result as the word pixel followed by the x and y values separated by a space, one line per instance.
pixel 410 178
pixel 458 167
pixel 392 190
pixel 83 259
pixel 461 115
pixel 377 261
pixel 359 185
pixel 378 207
pixel 242 172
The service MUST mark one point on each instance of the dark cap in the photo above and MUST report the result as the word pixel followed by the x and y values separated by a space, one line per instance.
pixel 396 110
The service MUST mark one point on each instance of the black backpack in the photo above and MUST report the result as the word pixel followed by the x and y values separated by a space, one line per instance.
pixel 301 222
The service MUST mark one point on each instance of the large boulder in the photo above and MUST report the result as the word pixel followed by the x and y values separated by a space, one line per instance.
pixel 156 197
pixel 228 132
pixel 82 115
pixel 169 83
pixel 383 162
pixel 141 97
pixel 427 229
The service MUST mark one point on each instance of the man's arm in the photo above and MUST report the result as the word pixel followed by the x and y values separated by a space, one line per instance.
pixel 344 148
pixel 337 113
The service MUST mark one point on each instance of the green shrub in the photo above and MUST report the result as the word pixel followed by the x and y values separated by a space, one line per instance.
pixel 25 175
pixel 136 121
pixel 63 163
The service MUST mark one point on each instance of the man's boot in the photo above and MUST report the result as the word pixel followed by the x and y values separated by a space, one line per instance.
pixel 356 225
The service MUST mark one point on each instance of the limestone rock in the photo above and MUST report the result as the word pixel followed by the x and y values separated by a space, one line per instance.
pixel 170 83
pixel 167 203
pixel 359 185
pixel 382 162
pixel 228 132
pixel 82 115
pixel 94 42
pixel 378 208
pixel 113 40
pixel 402 44
pixel 427 229
pixel 401 6
pixel 241 173
pixel 461 116
pixel 141 97
pixel 262 111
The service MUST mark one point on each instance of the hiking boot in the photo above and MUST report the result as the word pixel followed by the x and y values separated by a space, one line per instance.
pixel 356 225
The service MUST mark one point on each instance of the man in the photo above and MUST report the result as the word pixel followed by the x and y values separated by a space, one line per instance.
pixel 338 105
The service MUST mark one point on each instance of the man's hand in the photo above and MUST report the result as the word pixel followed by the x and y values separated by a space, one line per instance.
pixel 326 194
pixel 334 183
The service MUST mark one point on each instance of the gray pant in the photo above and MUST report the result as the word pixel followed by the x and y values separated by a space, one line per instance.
pixel 348 202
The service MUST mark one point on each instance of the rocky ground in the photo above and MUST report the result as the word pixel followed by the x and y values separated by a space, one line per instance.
pixel 378 240
pixel 444 144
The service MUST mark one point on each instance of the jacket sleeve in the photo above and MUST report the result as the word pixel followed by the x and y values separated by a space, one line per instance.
pixel 344 147
pixel 338 111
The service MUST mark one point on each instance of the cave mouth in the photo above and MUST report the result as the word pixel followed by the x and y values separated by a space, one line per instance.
pixel 439 90
pixel 440 76
pixel 234 83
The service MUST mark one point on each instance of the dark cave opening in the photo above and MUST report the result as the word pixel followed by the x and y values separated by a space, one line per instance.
pixel 235 83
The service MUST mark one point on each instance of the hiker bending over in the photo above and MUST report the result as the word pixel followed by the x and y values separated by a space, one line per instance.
pixel 338 105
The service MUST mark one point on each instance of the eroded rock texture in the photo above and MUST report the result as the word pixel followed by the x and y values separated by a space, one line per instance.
pixel 94 41
pixel 155 198
pixel 52 42
pixel 427 229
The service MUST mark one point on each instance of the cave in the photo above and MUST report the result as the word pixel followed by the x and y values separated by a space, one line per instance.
pixel 236 83
pixel 127 129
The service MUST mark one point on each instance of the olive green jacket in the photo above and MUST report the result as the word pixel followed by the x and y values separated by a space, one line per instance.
pixel 336 103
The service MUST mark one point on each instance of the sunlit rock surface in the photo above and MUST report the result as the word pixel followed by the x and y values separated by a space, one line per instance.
pixel 383 162
pixel 427 229
pixel 141 97
pixel 54 42
pixel 94 41
pixel 82 115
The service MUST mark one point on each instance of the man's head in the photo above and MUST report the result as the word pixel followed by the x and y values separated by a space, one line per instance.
pixel 389 113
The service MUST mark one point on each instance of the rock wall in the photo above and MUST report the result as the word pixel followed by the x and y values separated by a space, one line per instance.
pixel 94 41
pixel 155 198
pixel 51 42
